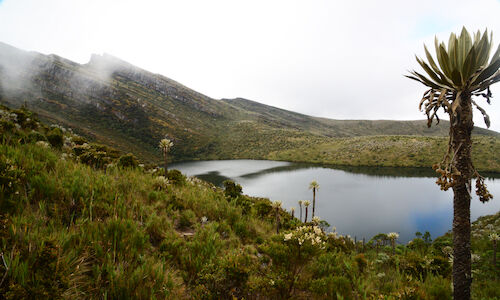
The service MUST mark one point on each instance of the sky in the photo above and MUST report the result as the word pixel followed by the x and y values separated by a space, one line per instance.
pixel 333 59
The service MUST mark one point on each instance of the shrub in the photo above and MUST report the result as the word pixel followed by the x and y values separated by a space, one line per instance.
pixel 232 189
pixel 55 138
pixel 176 177
pixel 263 207
pixel 289 254
pixel 361 262
pixel 128 161
pixel 245 204
pixel 36 136
pixel 96 159
pixel 199 252
pixel 78 140
pixel 226 278
pixel 156 227
pixel 187 218
pixel 7 125
pixel 242 229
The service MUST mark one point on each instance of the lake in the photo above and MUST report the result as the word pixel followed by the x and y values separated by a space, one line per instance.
pixel 359 201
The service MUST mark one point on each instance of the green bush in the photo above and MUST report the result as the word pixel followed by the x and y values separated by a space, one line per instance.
pixel 128 161
pixel 245 204
pixel 157 228
pixel 175 177
pixel 199 252
pixel 78 140
pixel 56 138
pixel 232 189
pixel 361 262
pixel 226 278
pixel 96 159
pixel 186 219
pixel 263 207
pixel 36 136
pixel 7 125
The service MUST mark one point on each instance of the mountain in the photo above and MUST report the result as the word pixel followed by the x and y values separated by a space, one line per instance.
pixel 113 102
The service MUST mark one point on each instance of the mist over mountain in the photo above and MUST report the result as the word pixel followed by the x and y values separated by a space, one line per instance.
pixel 113 102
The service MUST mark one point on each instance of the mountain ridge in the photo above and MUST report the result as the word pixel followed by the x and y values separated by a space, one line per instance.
pixel 114 102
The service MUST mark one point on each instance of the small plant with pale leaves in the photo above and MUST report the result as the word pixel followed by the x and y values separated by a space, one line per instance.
pixel 42 144
pixel 160 183
pixel 393 235
pixel 307 235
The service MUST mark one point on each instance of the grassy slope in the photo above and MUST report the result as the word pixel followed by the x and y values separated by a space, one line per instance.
pixel 69 230
pixel 405 151
pixel 342 128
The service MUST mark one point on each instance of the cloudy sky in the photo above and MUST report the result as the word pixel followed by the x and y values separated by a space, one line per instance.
pixel 335 59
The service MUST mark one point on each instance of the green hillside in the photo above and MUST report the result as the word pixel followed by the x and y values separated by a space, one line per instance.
pixel 113 102
pixel 80 221
pixel 390 151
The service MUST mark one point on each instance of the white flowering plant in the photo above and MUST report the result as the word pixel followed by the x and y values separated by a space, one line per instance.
pixel 307 235
pixel 290 252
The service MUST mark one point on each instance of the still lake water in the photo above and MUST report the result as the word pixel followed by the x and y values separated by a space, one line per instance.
pixel 359 201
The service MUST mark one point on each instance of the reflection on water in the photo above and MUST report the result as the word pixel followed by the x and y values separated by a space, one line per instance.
pixel 360 201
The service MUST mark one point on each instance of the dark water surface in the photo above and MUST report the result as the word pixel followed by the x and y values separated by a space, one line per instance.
pixel 359 201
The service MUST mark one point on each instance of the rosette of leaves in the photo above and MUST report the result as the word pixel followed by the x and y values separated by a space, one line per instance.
pixel 463 70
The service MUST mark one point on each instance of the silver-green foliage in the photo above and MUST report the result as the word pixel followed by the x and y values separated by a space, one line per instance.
pixel 462 67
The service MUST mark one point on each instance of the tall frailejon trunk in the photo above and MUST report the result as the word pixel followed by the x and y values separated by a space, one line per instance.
pixel 314 201
pixel 165 158
pixel 277 221
pixel 460 131
pixel 305 219
pixel 300 214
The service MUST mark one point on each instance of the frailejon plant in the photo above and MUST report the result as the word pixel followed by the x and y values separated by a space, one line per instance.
pixel 306 204
pixel 165 145
pixel 393 236
pixel 314 186
pixel 464 72
pixel 277 206
pixel 300 207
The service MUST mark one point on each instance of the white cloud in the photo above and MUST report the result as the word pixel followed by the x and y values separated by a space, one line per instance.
pixel 336 59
